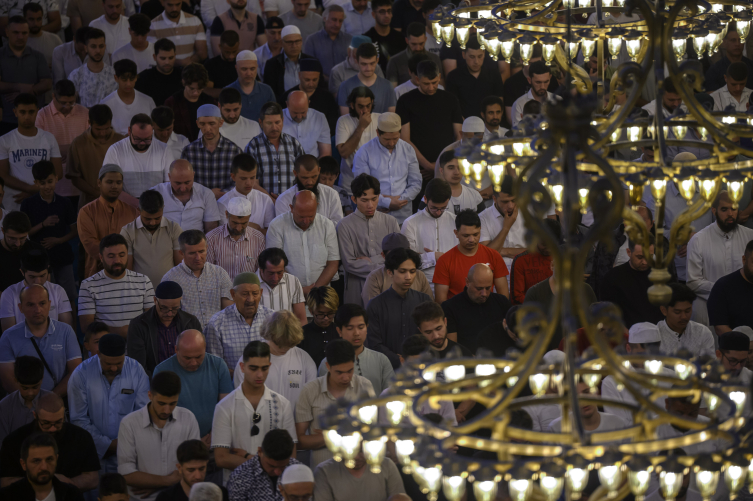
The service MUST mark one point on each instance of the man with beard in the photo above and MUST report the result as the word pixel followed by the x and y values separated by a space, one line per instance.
pixel 732 51
pixel 94 79
pixel 539 76
pixel 308 126
pixel 353 130
pixel 193 458
pixel 625 285
pixel 190 205
pixel 61 358
pixel 153 335
pixel 77 462
pixel 148 439
pixel 39 460
pixel 243 172
pixel 102 390
pixel 17 408
pixel 211 154
pixel 279 289
pixel 105 215
pixel 16 227
pixel 88 150
pixel 204 378
pixel 142 160
pixel 531 268
pixel 678 330
pixel 308 21
pixel 152 239
pixel 163 80
pixel 492 113
pixel 671 100
pixel 235 127
pixel 235 246
pixel 248 25
pixel 715 252
pixel 360 236
pixel 352 323
pixel 474 308
pixel 429 231
pixel 40 40
pixel 308 239
pixel 221 68
pixel 115 295
pixel 730 297
pixel 183 29
pixel 253 93
pixel 306 170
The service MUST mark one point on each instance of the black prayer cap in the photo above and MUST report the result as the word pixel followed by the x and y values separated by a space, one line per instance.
pixel 112 345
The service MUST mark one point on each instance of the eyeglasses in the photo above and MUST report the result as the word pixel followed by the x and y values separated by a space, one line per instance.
pixel 733 361
pixel 254 428
pixel 440 210
pixel 165 309
pixel 138 140
pixel 322 316
pixel 46 425
pixel 293 42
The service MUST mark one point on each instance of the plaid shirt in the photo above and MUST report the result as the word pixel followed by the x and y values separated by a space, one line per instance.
pixel 202 295
pixel 228 333
pixel 249 482
pixel 212 168
pixel 275 165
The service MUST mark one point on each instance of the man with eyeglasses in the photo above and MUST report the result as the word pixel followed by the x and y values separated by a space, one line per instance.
pixel 152 336
pixel 281 71
pixel 77 464
pixel 102 390
pixel 248 413
pixel 144 162
pixel 678 330
pixel 430 231
pixel 733 354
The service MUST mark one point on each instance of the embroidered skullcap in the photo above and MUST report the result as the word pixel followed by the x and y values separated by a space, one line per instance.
pixel 473 124
pixel 644 332
pixel 297 474
pixel 239 207
pixel 246 55
pixel 109 168
pixel 246 278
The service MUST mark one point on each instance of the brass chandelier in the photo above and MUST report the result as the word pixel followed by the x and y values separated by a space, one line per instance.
pixel 550 163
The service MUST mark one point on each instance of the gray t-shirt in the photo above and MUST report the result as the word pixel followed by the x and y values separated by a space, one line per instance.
pixel 384 94
pixel 308 25
pixel 334 482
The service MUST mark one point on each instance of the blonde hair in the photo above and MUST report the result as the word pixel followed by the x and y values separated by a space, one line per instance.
pixel 283 328
pixel 322 296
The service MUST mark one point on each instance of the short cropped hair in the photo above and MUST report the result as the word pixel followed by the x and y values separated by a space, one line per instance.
pixel 256 349
pixel 163 116
pixel 16 221
pixel 467 217
pixel 532 107
pixel 229 38
pixel 416 59
pixel 164 45
pixel 112 483
pixel 396 257
pixel 681 293
pixel 322 296
pixel 165 383
pixel 125 68
pixel 25 99
pixel 28 370
pixel 140 24
pixel 64 87
pixel 278 445
pixel 151 201
pixel 94 34
pixel 269 109
pixel 39 439
pixel 738 71
pixel 191 237
pixel 438 191
pixel 141 119
pixel 95 328
pixel 283 328
pixel 445 158
pixel 339 351
pixel 363 182
pixel 100 114
pixel 415 345
pixel 329 165
pixel 273 256
pixel 366 51
pixel 427 311
pixel 112 240
pixel 42 170
pixel 192 450
pixel 308 162
pixel 244 162
pixel 415 29
pixel 348 312
pixel 427 69
pixel 32 7
pixel 35 260
pixel 228 95
pixel 375 4
pixel 195 73
pixel 538 68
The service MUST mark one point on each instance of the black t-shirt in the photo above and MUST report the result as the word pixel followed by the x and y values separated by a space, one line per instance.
pixel 10 266
pixel 77 453
pixel 468 319
pixel 222 73
pixel 730 301
pixel 176 493
pixel 315 339
pixel 450 345
pixel 495 338
pixel 455 52
pixel 403 13
pixel 158 86
pixel 38 210
pixel 388 45
pixel 471 91
pixel 627 288
pixel 431 120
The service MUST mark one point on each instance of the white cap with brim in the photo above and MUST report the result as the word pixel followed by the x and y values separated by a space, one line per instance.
pixel 473 124
pixel 297 474
pixel 644 332
pixel 290 30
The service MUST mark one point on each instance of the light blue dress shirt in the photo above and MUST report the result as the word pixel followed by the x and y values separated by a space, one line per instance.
pixel 290 78
pixel 312 130
pixel 355 23
pixel 58 346
pixel 251 103
pixel 98 406
pixel 397 172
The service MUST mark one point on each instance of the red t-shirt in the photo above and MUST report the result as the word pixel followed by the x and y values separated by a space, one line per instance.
pixel 452 268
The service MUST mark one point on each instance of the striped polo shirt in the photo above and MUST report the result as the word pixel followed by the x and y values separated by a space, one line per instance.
pixel 183 34
pixel 115 302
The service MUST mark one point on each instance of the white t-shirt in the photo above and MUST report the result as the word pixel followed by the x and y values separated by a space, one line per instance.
pixel 50 496
pixel 468 199
pixel 175 145
pixel 241 132
pixel 262 207
pixel 346 126
pixel 122 113
pixel 116 35
pixel 543 415
pixel 144 59
pixel 141 171
pixel 288 374
pixel 22 153
pixel 59 301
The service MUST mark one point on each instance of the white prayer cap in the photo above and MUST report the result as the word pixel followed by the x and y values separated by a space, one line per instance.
pixel 745 330
pixel 297 474
pixel 644 332
pixel 239 207
pixel 473 124
pixel 245 55
pixel 554 357
pixel 290 30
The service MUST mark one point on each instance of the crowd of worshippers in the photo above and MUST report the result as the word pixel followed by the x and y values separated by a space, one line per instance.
pixel 205 245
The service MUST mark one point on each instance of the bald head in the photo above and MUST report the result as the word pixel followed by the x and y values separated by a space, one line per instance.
pixel 190 349
pixel 479 282
pixel 181 165
pixel 181 178
pixel 304 209
pixel 34 304
pixel 298 105
pixel 33 291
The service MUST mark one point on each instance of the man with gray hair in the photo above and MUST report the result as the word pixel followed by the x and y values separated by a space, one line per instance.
pixel 205 491
pixel 330 44
pixel 206 287
pixel 191 205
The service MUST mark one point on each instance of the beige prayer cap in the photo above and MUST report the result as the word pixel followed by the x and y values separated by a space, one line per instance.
pixel 389 122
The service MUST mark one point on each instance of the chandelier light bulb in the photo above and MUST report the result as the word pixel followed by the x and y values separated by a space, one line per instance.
pixel 653 366
pixel 539 383
pixel 367 414
pixel 743 29
pixel 403 449
pixel 638 481
pixel 735 477
pixel 739 398
pixel 576 480
pixel 634 133
pixel 615 136
pixel 679 47
pixel 708 189
pixel 573 49
pixel 568 4
pixel 453 487
pixel 658 188
pixel 520 489
pixel 670 483
pixel 557 195
pixel 712 401
pixel 332 440
pixel 485 490
pixel 679 131
pixel 436 30
pixel 492 44
pixel 703 133
pixel 583 198
pixel 526 48
pixel 682 370
pixel 350 446
pixel 454 373
pixel 610 477
pixel 633 48
pixel 707 482
pixel 506 49
pixel 374 452
pixel 395 411
pixel 551 487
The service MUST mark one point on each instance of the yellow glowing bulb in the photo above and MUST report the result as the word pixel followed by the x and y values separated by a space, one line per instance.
pixel 658 188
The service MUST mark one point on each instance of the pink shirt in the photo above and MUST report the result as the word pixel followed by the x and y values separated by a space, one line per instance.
pixel 235 256
pixel 65 129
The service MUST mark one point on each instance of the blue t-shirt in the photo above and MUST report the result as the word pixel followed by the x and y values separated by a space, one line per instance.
pixel 200 390
pixel 251 103
pixel 58 346
pixel 384 94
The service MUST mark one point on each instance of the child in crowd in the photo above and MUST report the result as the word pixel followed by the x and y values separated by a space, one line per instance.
pixel 93 333
pixel 126 101
pixel 328 173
